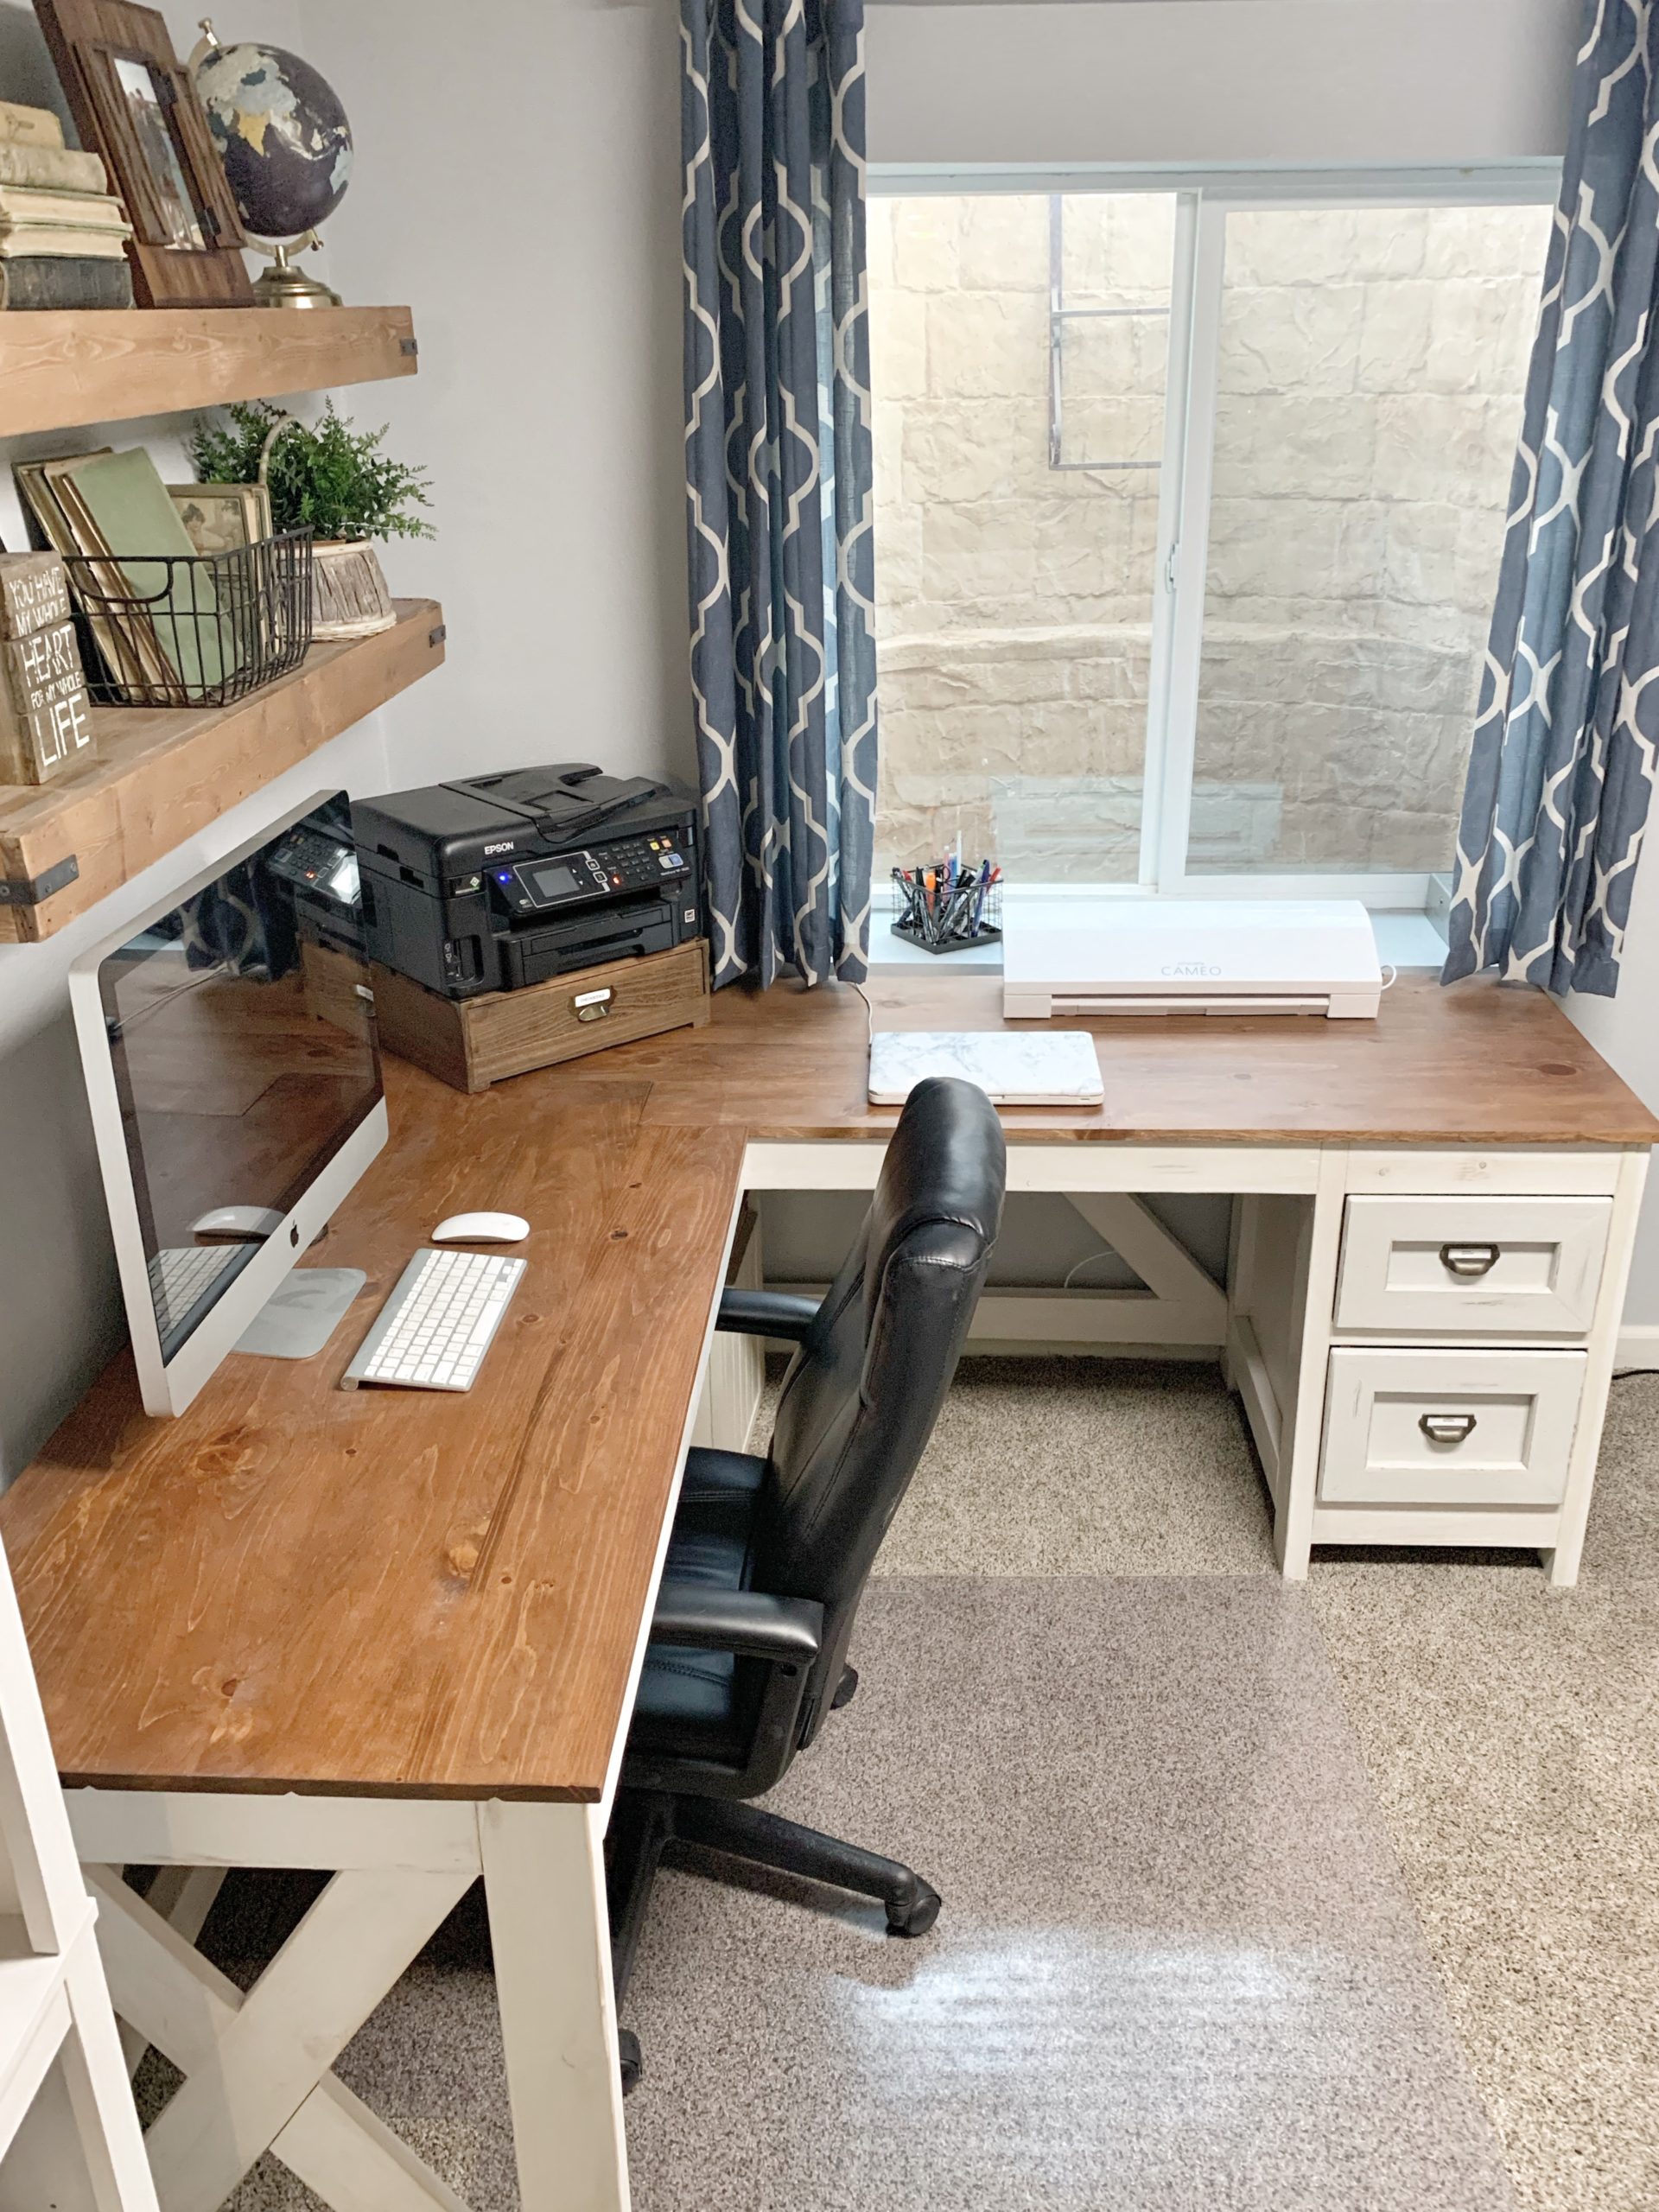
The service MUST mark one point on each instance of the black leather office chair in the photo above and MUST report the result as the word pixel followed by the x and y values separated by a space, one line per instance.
pixel 767 1558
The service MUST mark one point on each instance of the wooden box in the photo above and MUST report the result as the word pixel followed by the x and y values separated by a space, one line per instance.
pixel 472 1043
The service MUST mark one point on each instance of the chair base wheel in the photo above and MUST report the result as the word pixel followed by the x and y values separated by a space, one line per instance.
pixel 919 1915
pixel 631 2060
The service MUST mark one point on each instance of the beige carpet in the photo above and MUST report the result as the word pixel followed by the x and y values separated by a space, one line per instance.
pixel 1510 1731
pixel 1489 1748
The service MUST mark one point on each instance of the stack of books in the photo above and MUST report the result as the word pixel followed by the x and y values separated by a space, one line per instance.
pixel 63 234
pixel 151 606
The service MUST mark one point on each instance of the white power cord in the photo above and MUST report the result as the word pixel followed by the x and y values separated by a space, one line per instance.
pixel 1087 1260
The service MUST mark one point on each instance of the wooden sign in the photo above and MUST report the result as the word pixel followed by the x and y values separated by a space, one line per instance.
pixel 46 724
pixel 34 593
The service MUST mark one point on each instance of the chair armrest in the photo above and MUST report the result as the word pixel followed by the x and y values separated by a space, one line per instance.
pixel 747 1622
pixel 765 1313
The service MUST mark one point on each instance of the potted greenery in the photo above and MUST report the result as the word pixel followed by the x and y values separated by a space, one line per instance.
pixel 332 480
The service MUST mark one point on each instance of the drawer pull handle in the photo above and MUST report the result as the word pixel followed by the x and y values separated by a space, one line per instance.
pixel 1469 1260
pixel 592 1005
pixel 1446 1428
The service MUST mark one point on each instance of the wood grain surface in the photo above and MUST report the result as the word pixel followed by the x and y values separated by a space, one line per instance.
pixel 295 1587
pixel 65 367
pixel 1478 1064
pixel 164 773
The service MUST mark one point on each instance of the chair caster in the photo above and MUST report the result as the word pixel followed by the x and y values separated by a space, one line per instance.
pixel 846 1689
pixel 631 2063
pixel 918 1915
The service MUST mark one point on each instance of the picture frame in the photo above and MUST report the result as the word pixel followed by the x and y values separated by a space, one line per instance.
pixel 135 103
pixel 223 518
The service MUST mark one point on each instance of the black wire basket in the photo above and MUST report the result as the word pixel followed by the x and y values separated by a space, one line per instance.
pixel 202 630
pixel 948 908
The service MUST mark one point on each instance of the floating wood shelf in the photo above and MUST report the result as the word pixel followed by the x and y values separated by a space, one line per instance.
pixel 164 773
pixel 71 367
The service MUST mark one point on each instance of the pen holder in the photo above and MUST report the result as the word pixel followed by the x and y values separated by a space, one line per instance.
pixel 949 918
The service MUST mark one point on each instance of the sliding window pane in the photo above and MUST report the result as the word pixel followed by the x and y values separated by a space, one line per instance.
pixel 1372 363
pixel 1016 503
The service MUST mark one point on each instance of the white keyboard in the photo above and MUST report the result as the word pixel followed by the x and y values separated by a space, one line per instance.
pixel 179 1274
pixel 433 1331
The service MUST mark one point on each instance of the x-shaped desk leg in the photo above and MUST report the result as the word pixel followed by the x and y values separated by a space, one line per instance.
pixel 256 2067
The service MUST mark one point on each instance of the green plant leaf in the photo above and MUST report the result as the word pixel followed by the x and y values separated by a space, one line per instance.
pixel 325 477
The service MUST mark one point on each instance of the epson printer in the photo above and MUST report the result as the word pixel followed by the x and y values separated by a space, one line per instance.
pixel 500 881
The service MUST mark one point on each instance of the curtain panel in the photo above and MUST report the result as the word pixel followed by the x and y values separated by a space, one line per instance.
pixel 1562 765
pixel 778 448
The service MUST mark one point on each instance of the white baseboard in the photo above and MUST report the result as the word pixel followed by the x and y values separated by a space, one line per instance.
pixel 1638 1347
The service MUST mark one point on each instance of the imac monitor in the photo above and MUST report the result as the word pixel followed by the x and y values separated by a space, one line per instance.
pixel 229 1047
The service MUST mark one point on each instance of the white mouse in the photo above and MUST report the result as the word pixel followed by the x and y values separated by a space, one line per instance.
pixel 482 1229
pixel 236 1221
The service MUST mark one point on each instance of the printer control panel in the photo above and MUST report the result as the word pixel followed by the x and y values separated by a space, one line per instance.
pixel 605 872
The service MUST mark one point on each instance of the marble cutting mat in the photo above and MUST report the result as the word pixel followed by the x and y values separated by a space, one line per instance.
pixel 1057 1067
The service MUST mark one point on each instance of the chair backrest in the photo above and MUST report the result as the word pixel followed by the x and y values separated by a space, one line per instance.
pixel 866 1386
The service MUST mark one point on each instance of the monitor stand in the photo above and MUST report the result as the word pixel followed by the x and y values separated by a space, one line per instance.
pixel 301 1314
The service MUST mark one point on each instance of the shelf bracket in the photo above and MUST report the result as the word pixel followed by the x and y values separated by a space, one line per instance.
pixel 31 890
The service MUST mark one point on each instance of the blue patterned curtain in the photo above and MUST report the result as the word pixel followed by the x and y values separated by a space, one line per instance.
pixel 1563 761
pixel 778 464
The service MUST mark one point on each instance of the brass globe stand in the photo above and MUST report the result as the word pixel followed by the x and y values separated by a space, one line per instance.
pixel 285 285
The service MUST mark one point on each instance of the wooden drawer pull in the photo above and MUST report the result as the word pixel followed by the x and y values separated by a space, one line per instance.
pixel 1446 1428
pixel 1468 1260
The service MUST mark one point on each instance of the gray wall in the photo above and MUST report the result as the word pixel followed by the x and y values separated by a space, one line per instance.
pixel 517 181
pixel 1221 80
pixel 1044 1238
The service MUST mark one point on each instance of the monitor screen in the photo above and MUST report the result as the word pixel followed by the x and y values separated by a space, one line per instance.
pixel 241 1031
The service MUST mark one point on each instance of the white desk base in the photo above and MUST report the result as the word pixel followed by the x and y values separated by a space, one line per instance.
pixel 1273 1326
pixel 257 2067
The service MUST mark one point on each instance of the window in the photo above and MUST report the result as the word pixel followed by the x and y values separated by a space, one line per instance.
pixel 1189 512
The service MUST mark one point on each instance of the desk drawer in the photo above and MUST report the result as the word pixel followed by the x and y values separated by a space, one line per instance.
pixel 1471 1267
pixel 1421 1427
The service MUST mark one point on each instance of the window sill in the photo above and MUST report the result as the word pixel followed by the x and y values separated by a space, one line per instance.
pixel 1404 941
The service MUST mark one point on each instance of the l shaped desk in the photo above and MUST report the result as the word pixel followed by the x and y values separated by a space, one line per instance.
pixel 396 1637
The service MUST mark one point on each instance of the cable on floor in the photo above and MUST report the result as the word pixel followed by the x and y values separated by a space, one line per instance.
pixel 1088 1260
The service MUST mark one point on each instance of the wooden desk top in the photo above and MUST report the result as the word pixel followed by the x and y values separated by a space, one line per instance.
pixel 295 1587
pixel 1474 1064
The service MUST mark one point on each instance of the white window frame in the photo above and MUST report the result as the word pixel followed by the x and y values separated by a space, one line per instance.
pixel 1204 200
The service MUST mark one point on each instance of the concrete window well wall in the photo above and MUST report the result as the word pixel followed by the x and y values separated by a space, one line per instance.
pixel 1370 369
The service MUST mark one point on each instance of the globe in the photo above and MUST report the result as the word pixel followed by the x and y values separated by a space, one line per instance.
pixel 281 133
